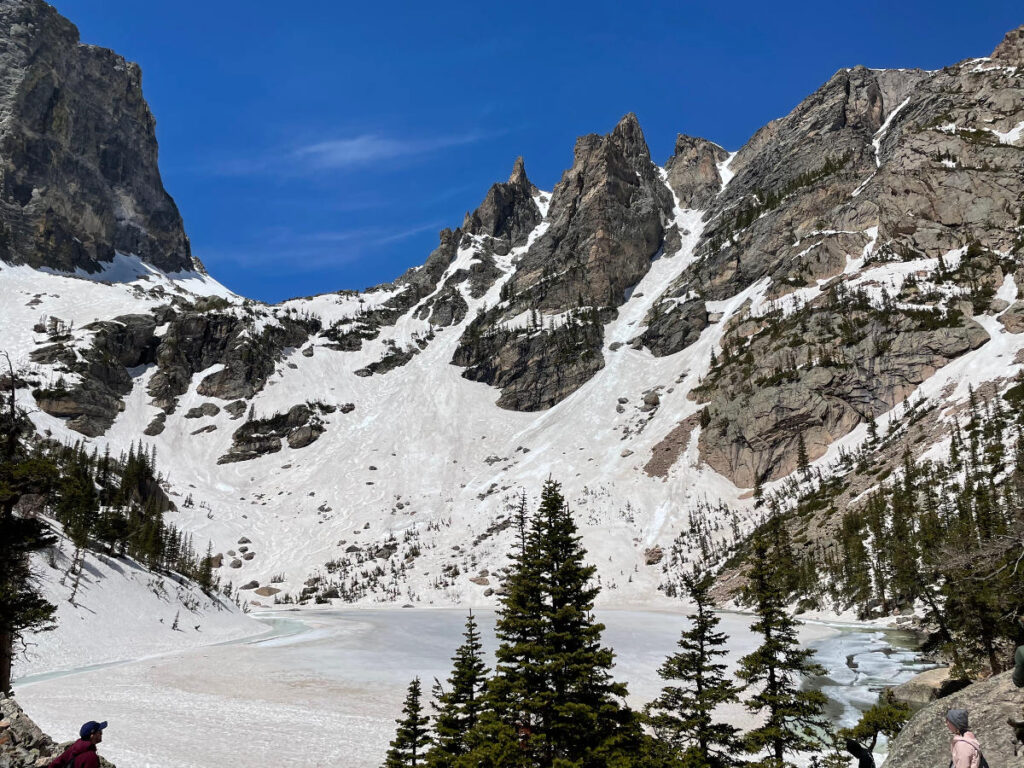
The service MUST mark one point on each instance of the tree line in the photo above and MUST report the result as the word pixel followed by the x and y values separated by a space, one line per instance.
pixel 101 502
pixel 943 536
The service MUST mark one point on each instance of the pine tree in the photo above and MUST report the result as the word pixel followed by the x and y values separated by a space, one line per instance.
pixel 872 432
pixel 411 739
pixel 458 707
pixel 791 715
pixel 552 692
pixel 887 717
pixel 22 607
pixel 802 462
pixel 682 717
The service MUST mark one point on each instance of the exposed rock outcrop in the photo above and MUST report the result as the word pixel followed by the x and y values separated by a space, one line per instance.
pixel 895 165
pixel 924 741
pixel 195 341
pixel 922 688
pixel 300 426
pixel 102 369
pixel 508 211
pixel 692 171
pixel 78 154
pixel 392 359
pixel 533 370
pixel 673 326
pixel 865 364
pixel 1011 50
pixel 607 221
pixel 607 218
pixel 23 743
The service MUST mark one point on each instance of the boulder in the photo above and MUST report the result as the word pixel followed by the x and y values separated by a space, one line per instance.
pixel 924 741
pixel 1013 318
pixel 206 409
pixel 921 689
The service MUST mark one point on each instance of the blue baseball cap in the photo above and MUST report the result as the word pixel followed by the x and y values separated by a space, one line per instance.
pixel 90 728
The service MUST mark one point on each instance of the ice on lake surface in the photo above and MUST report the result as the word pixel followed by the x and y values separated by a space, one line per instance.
pixel 329 694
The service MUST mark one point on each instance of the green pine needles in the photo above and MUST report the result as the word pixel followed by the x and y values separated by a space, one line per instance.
pixel 459 705
pixel 793 718
pixel 683 716
pixel 552 694
pixel 409 746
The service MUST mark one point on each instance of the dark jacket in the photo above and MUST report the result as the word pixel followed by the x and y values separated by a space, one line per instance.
pixel 1018 667
pixel 81 754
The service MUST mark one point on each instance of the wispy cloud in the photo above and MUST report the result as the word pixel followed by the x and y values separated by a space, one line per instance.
pixel 340 154
pixel 372 148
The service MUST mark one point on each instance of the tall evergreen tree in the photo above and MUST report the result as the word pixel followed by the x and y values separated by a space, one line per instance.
pixel 551 701
pixel 683 716
pixel 458 707
pixel 802 462
pixel 791 716
pixel 412 738
pixel 22 607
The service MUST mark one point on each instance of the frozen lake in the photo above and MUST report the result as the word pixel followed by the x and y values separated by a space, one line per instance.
pixel 325 687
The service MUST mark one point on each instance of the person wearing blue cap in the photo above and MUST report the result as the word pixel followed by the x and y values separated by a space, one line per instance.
pixel 82 754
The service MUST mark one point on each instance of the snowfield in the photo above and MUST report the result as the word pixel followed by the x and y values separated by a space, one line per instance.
pixel 122 611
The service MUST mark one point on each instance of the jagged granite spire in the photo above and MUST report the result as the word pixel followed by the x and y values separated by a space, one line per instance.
pixel 518 175
pixel 606 222
pixel 606 216
pixel 508 211
pixel 78 154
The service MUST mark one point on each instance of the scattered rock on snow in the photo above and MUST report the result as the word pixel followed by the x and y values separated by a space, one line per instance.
pixel 206 409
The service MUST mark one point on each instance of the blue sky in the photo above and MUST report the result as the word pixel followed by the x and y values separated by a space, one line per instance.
pixel 321 145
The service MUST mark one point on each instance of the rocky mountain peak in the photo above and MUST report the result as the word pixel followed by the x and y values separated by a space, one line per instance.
pixel 78 156
pixel 606 222
pixel 693 170
pixel 1011 50
pixel 629 137
pixel 508 210
pixel 518 176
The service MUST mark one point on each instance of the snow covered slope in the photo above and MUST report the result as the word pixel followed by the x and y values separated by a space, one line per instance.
pixel 329 448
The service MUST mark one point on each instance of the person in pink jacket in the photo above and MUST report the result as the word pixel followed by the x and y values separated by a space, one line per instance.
pixel 965 747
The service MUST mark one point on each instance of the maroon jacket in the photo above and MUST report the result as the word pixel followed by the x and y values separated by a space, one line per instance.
pixel 81 754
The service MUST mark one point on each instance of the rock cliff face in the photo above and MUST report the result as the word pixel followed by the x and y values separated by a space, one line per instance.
pixel 607 220
pixel 607 216
pixel 693 173
pixel 508 212
pixel 95 372
pixel 898 165
pixel 78 155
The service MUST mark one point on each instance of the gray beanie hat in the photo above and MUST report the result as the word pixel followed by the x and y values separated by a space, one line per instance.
pixel 958 718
